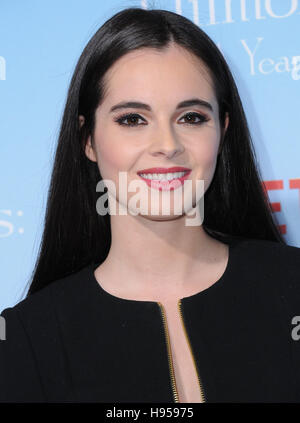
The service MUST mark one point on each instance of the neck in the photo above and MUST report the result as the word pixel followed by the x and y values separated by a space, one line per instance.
pixel 161 256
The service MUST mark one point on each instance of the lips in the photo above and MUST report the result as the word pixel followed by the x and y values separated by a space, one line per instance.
pixel 164 170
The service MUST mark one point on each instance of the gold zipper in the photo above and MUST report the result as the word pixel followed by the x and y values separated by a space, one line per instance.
pixel 188 341
pixel 173 380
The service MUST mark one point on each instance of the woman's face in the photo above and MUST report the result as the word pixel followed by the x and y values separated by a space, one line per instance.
pixel 162 134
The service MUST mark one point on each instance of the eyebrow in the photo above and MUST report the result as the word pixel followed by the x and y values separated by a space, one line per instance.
pixel 182 104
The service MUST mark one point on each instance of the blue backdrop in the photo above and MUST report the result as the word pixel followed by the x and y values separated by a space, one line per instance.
pixel 40 42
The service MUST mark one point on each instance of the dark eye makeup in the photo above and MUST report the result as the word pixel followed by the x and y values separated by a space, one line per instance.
pixel 131 116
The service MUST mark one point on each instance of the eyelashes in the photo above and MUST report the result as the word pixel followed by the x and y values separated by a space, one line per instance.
pixel 191 115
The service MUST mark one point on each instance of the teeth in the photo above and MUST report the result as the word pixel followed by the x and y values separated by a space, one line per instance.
pixel 163 176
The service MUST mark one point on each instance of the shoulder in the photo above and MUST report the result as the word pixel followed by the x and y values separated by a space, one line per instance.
pixel 37 314
pixel 270 253
pixel 271 266
pixel 267 245
pixel 265 254
pixel 264 251
pixel 32 350
pixel 43 301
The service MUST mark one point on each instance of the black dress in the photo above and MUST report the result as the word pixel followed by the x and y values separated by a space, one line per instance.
pixel 74 342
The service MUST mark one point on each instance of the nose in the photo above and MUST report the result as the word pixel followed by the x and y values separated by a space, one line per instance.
pixel 166 143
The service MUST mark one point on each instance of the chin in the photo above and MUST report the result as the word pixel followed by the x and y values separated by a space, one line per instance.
pixel 161 218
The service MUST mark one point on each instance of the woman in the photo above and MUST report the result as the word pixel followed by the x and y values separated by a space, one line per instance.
pixel 138 306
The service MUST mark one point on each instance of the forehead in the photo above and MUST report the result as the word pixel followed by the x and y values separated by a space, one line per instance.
pixel 147 73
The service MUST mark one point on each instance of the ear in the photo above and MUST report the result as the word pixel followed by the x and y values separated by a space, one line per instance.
pixel 223 132
pixel 226 123
pixel 89 150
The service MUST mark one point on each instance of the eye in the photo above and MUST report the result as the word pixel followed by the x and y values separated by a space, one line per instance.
pixel 134 117
pixel 192 115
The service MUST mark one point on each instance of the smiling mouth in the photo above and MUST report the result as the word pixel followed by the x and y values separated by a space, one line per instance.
pixel 165 181
pixel 158 177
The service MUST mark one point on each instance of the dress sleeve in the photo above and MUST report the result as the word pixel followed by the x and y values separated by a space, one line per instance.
pixel 19 377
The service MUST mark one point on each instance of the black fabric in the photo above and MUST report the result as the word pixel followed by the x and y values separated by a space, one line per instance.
pixel 74 342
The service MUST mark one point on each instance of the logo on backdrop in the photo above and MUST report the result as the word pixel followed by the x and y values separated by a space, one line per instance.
pixel 212 12
pixel 239 11
pixel 270 65
pixel 7 228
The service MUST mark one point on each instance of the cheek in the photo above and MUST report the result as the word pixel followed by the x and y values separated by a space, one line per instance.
pixel 113 157
pixel 109 161
pixel 206 153
pixel 108 154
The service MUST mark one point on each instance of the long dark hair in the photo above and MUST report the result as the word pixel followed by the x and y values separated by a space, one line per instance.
pixel 236 201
